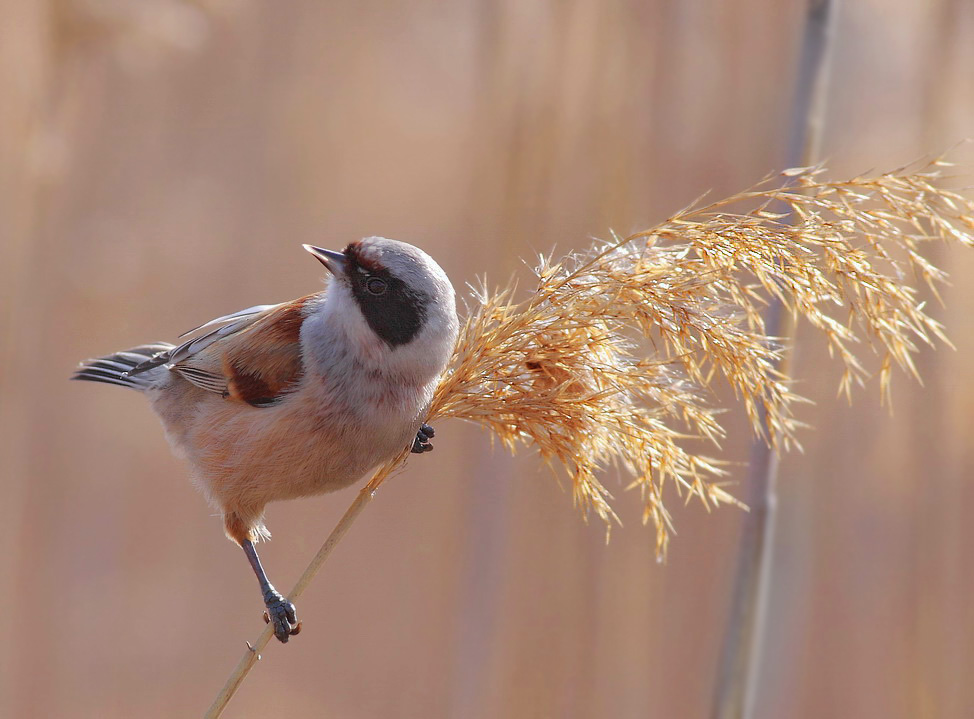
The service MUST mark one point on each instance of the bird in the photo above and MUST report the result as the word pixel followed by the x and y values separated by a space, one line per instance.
pixel 290 400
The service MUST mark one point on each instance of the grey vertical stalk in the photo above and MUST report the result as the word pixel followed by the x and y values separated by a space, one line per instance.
pixel 737 673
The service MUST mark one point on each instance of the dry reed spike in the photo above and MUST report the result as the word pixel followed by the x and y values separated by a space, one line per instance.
pixel 608 359
pixel 566 369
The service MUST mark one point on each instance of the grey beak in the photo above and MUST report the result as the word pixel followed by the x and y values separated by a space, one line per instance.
pixel 333 261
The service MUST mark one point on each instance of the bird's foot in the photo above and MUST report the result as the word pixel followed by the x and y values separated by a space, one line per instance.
pixel 282 613
pixel 422 442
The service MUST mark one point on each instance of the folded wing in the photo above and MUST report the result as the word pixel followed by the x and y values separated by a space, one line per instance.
pixel 254 356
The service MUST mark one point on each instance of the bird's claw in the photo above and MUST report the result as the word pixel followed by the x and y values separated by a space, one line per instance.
pixel 282 613
pixel 422 442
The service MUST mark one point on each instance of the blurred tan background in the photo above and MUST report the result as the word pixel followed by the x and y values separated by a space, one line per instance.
pixel 161 162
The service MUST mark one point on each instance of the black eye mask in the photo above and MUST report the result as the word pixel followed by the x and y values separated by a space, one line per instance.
pixel 397 314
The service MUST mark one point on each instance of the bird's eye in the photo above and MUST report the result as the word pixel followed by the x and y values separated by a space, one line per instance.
pixel 375 286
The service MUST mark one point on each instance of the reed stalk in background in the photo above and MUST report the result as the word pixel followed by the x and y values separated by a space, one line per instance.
pixel 735 688
pixel 609 358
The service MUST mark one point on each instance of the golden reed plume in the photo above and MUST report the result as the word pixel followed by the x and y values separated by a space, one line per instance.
pixel 609 359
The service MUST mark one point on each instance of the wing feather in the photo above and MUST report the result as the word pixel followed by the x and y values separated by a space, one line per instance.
pixel 210 381
pixel 254 357
pixel 172 355
pixel 236 322
pixel 249 312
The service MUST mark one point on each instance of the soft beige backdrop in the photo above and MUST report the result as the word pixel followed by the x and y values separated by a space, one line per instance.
pixel 161 162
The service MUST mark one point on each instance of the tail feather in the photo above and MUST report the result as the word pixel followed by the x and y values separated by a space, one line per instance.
pixel 115 368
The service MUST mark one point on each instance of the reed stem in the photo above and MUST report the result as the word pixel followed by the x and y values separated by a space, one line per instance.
pixel 739 668
pixel 252 654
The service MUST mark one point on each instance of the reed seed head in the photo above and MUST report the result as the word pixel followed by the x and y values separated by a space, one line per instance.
pixel 610 358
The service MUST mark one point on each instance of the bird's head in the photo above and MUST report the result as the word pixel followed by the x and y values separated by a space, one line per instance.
pixel 392 299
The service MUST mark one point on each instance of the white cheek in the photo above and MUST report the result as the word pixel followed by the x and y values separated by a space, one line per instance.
pixel 367 344
pixel 344 313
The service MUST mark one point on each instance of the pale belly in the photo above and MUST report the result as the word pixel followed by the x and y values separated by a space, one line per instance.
pixel 243 456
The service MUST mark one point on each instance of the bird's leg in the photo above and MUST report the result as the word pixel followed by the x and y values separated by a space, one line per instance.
pixel 422 442
pixel 279 610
